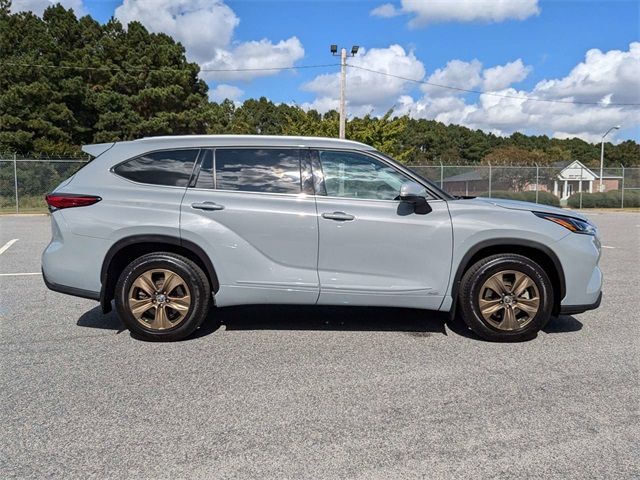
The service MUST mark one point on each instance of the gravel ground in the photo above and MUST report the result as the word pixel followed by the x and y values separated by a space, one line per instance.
pixel 278 392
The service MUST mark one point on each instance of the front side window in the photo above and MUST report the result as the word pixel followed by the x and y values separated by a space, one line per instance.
pixel 354 175
pixel 169 167
pixel 268 170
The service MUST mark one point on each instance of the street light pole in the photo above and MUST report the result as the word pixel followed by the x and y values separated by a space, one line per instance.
pixel 343 84
pixel 617 127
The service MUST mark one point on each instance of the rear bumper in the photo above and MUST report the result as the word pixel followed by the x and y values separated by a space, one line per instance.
pixel 76 292
pixel 574 309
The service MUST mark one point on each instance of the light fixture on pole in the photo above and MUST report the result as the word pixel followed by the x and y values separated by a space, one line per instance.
pixel 617 127
pixel 343 82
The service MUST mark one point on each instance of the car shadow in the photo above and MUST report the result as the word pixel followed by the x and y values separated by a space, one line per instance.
pixel 94 318
pixel 413 322
pixel 298 317
pixel 331 318
pixel 563 324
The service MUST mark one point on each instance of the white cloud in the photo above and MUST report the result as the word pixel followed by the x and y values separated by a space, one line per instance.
pixel 206 28
pixel 322 104
pixel 386 10
pixel 223 91
pixel 38 6
pixel 456 74
pixel 614 73
pixel 254 54
pixel 200 25
pixel 603 78
pixel 368 91
pixel 501 76
pixel 424 12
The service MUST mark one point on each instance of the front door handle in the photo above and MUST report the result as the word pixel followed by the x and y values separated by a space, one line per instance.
pixel 338 216
pixel 207 206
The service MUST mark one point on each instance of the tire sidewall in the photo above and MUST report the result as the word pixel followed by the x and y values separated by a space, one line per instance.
pixel 198 291
pixel 471 290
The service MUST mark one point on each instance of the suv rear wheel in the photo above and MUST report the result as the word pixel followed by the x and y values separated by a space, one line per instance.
pixel 506 297
pixel 162 296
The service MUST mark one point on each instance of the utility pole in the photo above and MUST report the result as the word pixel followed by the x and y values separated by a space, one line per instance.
pixel 343 84
pixel 617 127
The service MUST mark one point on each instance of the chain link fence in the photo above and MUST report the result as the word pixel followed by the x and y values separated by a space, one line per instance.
pixel 25 180
pixel 562 184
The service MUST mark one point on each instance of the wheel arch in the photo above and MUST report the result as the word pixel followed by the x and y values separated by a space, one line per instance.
pixel 536 251
pixel 127 249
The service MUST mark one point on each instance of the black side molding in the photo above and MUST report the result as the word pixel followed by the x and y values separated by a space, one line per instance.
pixel 574 309
pixel 73 291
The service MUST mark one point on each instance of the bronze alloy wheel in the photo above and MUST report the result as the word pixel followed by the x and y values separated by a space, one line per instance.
pixel 159 299
pixel 509 300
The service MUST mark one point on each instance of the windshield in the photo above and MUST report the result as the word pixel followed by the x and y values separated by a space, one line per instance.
pixel 431 184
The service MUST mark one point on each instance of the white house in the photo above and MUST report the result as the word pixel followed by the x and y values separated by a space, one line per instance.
pixel 575 177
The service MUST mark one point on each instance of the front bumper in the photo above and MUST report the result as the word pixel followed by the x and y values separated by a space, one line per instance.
pixel 579 256
pixel 575 309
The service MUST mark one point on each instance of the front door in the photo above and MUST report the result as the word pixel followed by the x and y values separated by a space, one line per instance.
pixel 247 211
pixel 374 250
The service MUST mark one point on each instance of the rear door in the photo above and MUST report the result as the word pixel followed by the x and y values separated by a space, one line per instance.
pixel 374 250
pixel 248 211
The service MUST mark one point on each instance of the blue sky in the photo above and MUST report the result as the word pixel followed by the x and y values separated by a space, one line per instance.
pixel 530 48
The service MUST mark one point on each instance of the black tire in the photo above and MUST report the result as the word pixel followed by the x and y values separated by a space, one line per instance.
pixel 470 291
pixel 195 280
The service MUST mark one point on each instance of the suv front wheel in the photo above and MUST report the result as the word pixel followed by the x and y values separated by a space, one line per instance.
pixel 506 297
pixel 162 296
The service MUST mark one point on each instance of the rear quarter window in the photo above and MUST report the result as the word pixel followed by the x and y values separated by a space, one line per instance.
pixel 169 167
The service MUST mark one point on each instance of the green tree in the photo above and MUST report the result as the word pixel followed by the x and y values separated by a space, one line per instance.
pixel 131 83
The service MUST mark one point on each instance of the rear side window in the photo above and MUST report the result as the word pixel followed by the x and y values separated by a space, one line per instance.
pixel 170 167
pixel 269 170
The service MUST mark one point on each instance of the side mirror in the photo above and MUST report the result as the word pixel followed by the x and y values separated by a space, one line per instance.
pixel 416 195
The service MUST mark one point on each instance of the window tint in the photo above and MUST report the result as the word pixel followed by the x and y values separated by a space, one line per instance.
pixel 353 175
pixel 258 170
pixel 172 167
pixel 205 177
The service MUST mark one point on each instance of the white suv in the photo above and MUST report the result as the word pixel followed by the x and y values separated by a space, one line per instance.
pixel 169 226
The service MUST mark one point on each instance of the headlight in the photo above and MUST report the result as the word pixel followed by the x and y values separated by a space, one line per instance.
pixel 570 223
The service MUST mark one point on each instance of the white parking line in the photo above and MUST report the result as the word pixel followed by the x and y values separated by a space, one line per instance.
pixel 6 246
pixel 607 246
pixel 19 274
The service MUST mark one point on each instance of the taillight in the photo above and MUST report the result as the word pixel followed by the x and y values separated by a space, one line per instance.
pixel 69 200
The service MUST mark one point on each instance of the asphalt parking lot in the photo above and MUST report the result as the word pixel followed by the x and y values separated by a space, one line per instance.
pixel 277 392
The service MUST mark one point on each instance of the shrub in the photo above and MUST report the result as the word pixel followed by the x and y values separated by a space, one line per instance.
pixel 544 198
pixel 612 199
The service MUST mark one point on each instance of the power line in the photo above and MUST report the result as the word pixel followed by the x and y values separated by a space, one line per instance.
pixel 325 65
pixel 493 94
pixel 144 69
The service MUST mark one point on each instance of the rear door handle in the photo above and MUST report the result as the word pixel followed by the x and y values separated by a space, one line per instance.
pixel 338 216
pixel 207 206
